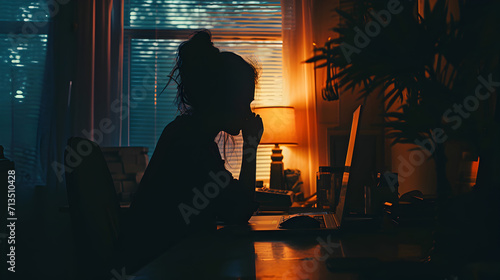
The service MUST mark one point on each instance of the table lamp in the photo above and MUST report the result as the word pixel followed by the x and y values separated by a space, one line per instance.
pixel 279 128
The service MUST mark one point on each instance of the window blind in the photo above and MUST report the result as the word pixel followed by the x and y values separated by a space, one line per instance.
pixel 24 10
pixel 22 74
pixel 254 17
pixel 154 30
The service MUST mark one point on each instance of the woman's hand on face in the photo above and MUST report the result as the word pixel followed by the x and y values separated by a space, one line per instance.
pixel 252 130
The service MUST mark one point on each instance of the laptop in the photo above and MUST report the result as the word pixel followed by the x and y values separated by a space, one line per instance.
pixel 327 221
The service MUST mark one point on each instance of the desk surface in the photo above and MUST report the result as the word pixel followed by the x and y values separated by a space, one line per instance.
pixel 235 253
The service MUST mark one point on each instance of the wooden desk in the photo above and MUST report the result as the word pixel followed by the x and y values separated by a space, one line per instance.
pixel 236 253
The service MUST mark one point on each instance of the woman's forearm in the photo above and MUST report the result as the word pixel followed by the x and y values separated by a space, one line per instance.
pixel 248 167
pixel 252 132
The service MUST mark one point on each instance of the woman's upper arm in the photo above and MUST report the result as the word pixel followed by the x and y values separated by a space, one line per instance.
pixel 235 203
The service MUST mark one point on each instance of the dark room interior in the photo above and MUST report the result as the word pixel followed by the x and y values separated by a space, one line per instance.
pixel 292 139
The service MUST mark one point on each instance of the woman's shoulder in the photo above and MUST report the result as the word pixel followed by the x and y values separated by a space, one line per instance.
pixel 174 137
pixel 178 128
pixel 178 123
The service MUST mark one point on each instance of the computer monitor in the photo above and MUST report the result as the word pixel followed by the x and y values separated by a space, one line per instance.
pixel 347 166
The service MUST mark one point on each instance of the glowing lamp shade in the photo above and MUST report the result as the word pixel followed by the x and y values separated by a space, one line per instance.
pixel 279 128
pixel 279 125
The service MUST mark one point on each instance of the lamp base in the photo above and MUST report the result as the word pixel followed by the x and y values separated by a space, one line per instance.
pixel 277 180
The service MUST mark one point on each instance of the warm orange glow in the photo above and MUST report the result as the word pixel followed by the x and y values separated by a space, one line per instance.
pixel 156 76
pixel 473 170
pixel 279 125
pixel 352 137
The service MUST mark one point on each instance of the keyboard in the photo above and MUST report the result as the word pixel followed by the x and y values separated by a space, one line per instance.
pixel 273 198
pixel 321 220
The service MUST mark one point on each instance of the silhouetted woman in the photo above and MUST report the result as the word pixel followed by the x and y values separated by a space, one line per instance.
pixel 186 187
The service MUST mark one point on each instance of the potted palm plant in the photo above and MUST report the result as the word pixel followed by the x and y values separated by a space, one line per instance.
pixel 441 67
pixel 430 63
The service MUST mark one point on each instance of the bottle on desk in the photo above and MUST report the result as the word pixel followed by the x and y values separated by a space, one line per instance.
pixel 324 183
pixel 328 184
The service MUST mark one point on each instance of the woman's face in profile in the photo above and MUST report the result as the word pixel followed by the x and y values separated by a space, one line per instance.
pixel 238 110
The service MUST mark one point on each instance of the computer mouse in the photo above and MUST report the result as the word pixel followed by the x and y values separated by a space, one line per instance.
pixel 300 222
pixel 412 196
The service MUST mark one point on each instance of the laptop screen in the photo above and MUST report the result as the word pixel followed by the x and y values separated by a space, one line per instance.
pixel 348 160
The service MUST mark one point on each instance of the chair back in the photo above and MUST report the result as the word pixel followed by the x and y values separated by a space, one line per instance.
pixel 94 209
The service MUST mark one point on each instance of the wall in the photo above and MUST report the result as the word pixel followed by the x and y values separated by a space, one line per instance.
pixel 328 112
pixel 335 117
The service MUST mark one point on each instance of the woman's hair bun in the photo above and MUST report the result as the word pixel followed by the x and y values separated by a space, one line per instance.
pixel 198 64
pixel 199 46
pixel 204 75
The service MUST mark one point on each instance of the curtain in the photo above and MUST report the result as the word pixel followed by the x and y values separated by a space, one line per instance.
pixel 83 82
pixel 97 86
pixel 83 45
pixel 299 84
